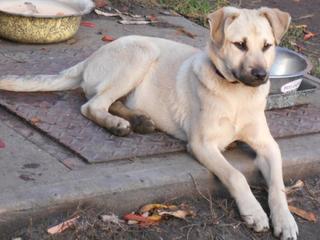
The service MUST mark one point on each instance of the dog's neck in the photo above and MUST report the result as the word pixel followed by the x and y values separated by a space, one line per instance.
pixel 221 75
pixel 217 64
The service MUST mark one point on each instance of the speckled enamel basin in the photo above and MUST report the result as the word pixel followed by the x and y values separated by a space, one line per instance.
pixel 41 21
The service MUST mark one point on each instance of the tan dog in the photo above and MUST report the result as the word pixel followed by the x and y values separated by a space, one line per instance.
pixel 208 98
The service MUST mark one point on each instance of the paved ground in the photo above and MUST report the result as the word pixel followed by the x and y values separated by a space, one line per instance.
pixel 40 177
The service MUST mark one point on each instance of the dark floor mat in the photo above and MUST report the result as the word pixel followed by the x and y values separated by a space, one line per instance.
pixel 58 115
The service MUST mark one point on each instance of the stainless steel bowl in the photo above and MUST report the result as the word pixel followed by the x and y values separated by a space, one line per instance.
pixel 287 71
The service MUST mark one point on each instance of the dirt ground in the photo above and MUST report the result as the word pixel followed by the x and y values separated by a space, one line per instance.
pixel 215 219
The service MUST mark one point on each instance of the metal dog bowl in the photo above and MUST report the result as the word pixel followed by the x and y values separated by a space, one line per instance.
pixel 288 70
pixel 41 21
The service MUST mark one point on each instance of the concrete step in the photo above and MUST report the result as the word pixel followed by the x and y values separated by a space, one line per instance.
pixel 126 185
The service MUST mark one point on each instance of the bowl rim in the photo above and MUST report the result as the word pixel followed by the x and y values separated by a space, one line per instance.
pixel 297 74
pixel 85 11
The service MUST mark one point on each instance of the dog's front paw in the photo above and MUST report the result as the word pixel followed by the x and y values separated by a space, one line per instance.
pixel 284 225
pixel 119 127
pixel 254 216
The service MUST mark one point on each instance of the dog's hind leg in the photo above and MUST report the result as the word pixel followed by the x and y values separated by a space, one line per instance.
pixel 140 122
pixel 122 66
pixel 95 109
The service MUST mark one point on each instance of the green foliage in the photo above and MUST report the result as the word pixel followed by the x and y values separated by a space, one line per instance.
pixel 295 32
pixel 197 10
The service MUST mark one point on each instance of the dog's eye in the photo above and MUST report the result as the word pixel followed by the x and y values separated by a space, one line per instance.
pixel 266 46
pixel 241 45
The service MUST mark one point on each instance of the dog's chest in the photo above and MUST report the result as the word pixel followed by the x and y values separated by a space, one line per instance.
pixel 225 119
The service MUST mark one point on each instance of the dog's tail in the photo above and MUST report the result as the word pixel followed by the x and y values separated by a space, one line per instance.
pixel 70 78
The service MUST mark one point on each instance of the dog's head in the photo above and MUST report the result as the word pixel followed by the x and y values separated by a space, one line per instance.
pixel 243 42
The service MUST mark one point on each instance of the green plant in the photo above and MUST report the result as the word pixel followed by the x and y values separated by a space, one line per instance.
pixel 197 10
pixel 295 33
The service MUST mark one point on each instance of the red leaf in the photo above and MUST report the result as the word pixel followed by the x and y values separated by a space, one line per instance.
pixel 62 226
pixel 136 217
pixel 107 38
pixel 88 24
pixel 308 36
pixel 35 120
pixel 152 18
pixel 310 216
pixel 2 144
pixel 100 3
pixel 181 30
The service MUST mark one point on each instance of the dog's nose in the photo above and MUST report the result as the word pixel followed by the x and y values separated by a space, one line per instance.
pixel 259 73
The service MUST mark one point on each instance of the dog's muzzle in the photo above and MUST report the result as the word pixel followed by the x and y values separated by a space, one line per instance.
pixel 257 77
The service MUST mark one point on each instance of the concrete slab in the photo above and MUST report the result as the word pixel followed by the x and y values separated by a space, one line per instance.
pixel 54 149
pixel 24 165
pixel 121 187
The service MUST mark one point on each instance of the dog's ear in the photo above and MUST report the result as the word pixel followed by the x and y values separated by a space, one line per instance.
pixel 219 21
pixel 278 20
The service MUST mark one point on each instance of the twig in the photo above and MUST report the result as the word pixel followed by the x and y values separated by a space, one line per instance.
pixel 311 195
pixel 295 187
pixel 189 225
pixel 136 22
pixel 197 188
pixel 189 231
pixel 209 200
pixel 304 17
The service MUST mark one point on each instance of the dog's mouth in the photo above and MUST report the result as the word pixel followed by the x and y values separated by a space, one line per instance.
pixel 248 81
pixel 255 83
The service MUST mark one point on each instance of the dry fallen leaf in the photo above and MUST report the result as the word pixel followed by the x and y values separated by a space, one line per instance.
pixel 297 46
pixel 169 13
pixel 71 41
pixel 154 218
pixel 300 26
pixel 308 35
pixel 131 222
pixel 2 144
pixel 134 22
pixel 111 218
pixel 106 14
pixel 135 217
pixel 143 221
pixel 88 24
pixel 178 214
pixel 35 120
pixel 62 226
pixel 310 216
pixel 31 7
pixel 152 18
pixel 295 187
pixel 107 38
pixel 153 213
pixel 185 32
pixel 100 3
pixel 152 206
